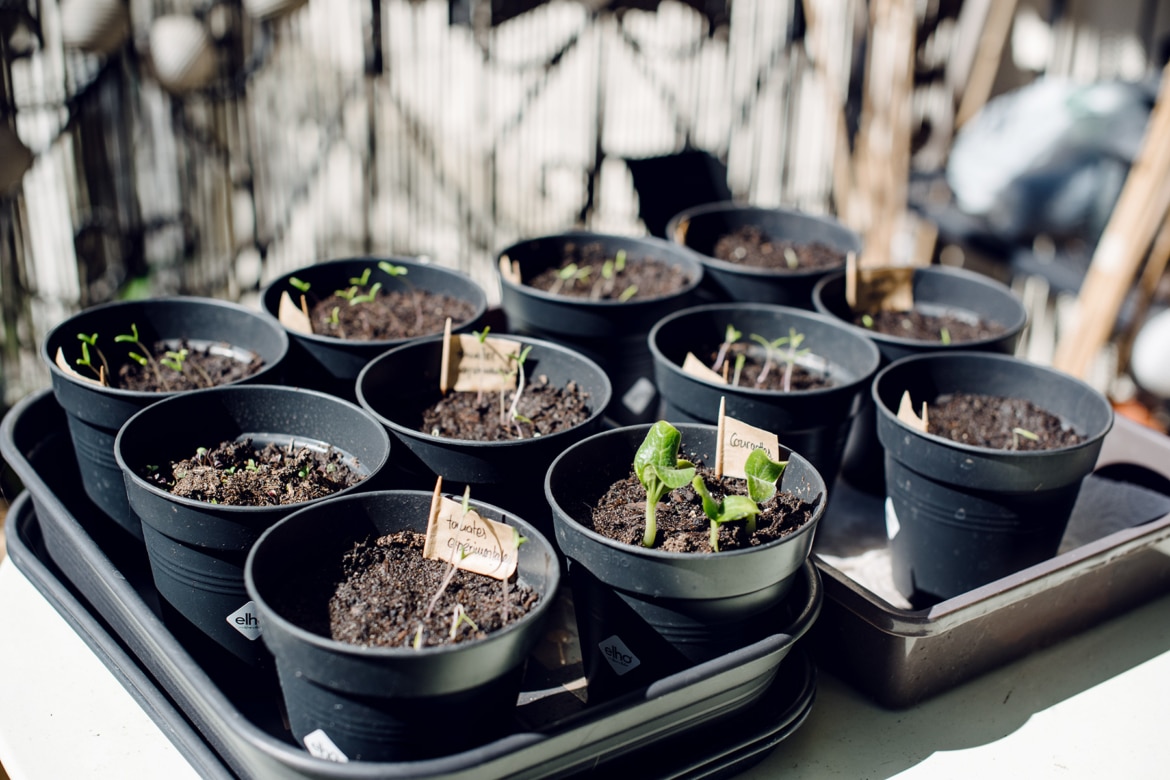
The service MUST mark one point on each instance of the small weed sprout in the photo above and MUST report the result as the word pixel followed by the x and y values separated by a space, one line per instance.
pixel 730 336
pixel 1018 433
pixel 660 470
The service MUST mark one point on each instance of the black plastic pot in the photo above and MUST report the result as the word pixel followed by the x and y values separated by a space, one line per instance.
pixel 960 516
pixel 814 423
pixel 197 549
pixel 611 333
pixel 331 364
pixel 937 290
pixel 644 612
pixel 701 227
pixel 509 474
pixel 386 704
pixel 96 413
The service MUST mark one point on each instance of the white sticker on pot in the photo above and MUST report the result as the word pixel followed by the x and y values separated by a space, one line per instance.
pixel 618 655
pixel 892 524
pixel 637 399
pixel 320 746
pixel 245 621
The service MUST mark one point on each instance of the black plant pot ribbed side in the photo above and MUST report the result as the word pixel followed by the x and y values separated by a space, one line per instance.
pixel 197 549
pixel 644 612
pixel 937 290
pixel 814 423
pixel 701 227
pixel 96 413
pixel 386 704
pixel 332 364
pixel 611 333
pixel 509 474
pixel 961 516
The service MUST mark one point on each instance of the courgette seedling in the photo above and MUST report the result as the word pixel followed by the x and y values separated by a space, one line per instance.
pixel 762 475
pixel 660 470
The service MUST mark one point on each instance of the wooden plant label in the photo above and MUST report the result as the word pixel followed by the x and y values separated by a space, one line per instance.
pixel 878 289
pixel 736 440
pixel 473 366
pixel 468 541
pixel 510 269
pixel 293 317
pixel 906 413
pixel 63 364
pixel 697 368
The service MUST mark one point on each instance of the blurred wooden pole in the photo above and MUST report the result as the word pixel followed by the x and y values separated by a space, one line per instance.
pixel 1139 211
pixel 997 27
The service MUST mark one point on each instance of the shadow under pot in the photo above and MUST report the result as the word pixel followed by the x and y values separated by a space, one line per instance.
pixel 245 345
pixel 568 393
pixel 972 298
pixel 197 542
pixel 832 367
pixel 960 515
pixel 380 303
pixel 755 254
pixel 609 330
pixel 387 703
pixel 646 612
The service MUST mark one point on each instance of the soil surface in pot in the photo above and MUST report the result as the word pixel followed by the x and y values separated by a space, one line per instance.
pixel 239 474
pixel 389 316
pixel 758 374
pixel 620 514
pixel 389 590
pixel 751 247
pixel 177 367
pixel 587 272
pixel 545 408
pixel 997 423
pixel 919 326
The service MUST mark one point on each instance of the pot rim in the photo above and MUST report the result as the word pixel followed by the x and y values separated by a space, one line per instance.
pixel 230 509
pixel 1012 329
pixel 559 515
pixel 1091 439
pixel 865 375
pixel 688 258
pixel 480 302
pixel 547 601
pixel 160 395
pixel 597 411
pixel 727 267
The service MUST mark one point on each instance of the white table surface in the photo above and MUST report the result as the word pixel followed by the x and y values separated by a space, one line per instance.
pixel 1094 706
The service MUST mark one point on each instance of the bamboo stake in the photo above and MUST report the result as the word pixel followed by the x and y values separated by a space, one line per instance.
pixel 1143 202
pixel 997 27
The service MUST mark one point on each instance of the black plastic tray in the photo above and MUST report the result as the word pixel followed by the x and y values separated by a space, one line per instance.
pixel 1114 556
pixel 742 703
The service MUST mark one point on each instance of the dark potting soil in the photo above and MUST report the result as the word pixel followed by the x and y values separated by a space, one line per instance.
pixel 749 246
pixel 468 416
pixel 755 367
pixel 989 421
pixel 388 589
pixel 239 474
pixel 200 367
pixel 682 526
pixel 919 326
pixel 390 315
pixel 581 275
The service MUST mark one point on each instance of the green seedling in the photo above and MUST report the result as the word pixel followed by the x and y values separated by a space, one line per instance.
pixel 458 618
pixel 945 337
pixel 394 270
pixel 333 316
pixel 512 413
pixel 299 284
pixel 87 360
pixel 609 271
pixel 740 359
pixel 730 336
pixel 790 258
pixel 773 355
pixel 368 296
pixel 628 293
pixel 1018 433
pixel 660 470
pixel 867 321
pixel 762 475
pixel 794 340
pixel 570 274
pixel 144 358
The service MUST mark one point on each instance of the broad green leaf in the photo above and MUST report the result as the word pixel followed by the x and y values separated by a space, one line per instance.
pixel 762 475
pixel 659 448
